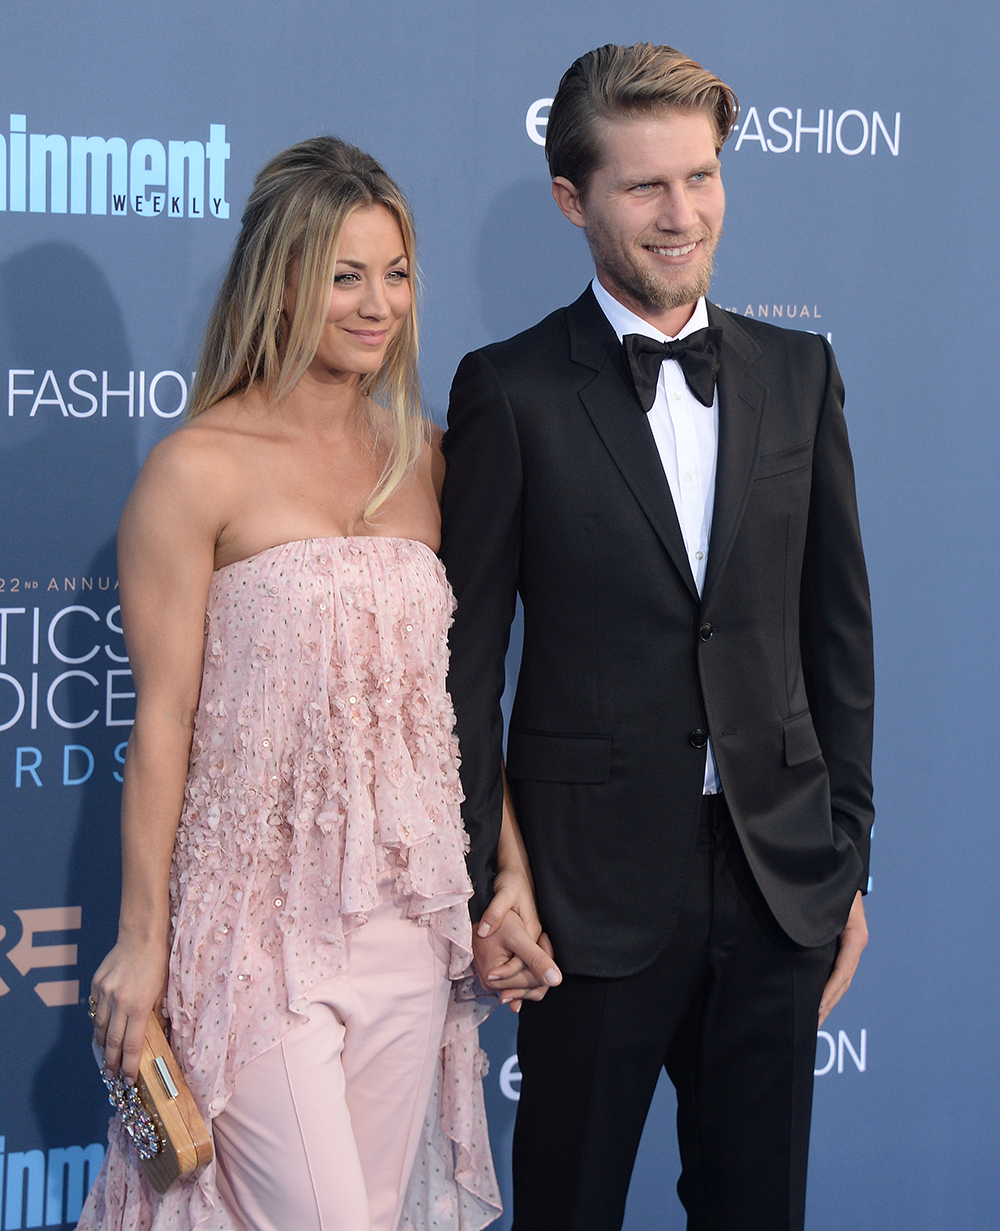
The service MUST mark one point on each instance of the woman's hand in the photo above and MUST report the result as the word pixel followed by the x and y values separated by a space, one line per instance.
pixel 129 984
pixel 512 955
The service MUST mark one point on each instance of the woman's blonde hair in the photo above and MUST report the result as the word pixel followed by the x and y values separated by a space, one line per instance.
pixel 296 214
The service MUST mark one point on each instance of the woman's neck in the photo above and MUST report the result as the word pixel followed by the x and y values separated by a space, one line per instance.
pixel 320 408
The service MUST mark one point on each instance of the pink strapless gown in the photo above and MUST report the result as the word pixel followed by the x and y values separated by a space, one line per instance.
pixel 323 752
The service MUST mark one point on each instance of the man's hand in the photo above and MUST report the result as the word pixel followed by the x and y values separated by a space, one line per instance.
pixel 852 941
pixel 512 955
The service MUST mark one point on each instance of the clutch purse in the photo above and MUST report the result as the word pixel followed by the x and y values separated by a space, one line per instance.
pixel 160 1115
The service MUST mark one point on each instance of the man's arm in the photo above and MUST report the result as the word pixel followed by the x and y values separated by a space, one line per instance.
pixel 836 637
pixel 836 625
pixel 480 549
pixel 852 942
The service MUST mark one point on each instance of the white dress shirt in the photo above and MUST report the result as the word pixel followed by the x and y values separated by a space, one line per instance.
pixel 687 440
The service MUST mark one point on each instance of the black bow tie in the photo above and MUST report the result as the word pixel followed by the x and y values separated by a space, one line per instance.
pixel 698 354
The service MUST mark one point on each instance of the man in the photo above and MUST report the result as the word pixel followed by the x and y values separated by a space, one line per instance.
pixel 689 748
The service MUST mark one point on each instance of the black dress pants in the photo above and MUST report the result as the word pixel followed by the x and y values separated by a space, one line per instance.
pixel 729 1008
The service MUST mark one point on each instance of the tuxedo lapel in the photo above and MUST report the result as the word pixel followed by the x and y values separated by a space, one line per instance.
pixel 741 405
pixel 610 400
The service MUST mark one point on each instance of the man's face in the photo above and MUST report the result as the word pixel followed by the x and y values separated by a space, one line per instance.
pixel 653 212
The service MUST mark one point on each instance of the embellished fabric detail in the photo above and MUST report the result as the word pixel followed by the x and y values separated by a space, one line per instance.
pixel 323 756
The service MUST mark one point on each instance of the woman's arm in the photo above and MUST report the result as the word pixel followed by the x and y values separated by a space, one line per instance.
pixel 166 545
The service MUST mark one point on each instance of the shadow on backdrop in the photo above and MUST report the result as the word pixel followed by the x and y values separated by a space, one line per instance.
pixel 530 261
pixel 67 1084
pixel 66 477
pixel 60 315
pixel 189 350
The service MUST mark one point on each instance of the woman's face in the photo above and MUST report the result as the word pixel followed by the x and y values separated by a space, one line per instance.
pixel 370 298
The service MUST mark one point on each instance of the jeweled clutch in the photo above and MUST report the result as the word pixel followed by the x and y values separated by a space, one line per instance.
pixel 160 1115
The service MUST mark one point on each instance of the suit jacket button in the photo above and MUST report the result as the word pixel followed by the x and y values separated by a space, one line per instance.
pixel 705 631
pixel 698 738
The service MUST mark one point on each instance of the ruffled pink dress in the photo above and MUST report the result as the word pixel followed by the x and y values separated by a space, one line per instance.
pixel 323 755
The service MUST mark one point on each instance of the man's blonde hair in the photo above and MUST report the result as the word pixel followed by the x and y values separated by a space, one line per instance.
pixel 616 83
pixel 295 215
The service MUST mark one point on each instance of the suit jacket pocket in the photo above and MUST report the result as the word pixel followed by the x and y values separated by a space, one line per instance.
pixel 801 744
pixel 771 464
pixel 541 757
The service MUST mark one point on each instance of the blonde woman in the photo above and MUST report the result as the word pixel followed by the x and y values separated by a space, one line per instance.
pixel 294 887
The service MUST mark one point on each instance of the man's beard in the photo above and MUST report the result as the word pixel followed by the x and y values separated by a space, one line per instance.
pixel 643 286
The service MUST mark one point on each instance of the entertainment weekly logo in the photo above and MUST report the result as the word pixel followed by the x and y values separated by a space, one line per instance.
pixel 786 130
pixel 50 173
pixel 47 1187
pixel 832 1055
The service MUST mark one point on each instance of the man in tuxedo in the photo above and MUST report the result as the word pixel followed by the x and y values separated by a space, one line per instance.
pixel 669 488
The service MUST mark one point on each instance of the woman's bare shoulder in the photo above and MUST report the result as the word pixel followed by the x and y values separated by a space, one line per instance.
pixel 203 448
pixel 191 476
pixel 186 459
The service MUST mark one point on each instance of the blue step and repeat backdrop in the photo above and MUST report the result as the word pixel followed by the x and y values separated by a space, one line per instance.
pixel 862 204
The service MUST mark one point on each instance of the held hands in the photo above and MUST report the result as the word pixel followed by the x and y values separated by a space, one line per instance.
pixel 852 941
pixel 512 955
pixel 129 984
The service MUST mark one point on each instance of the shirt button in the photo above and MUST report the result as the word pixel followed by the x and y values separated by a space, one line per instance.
pixel 676 396
pixel 687 475
pixel 699 555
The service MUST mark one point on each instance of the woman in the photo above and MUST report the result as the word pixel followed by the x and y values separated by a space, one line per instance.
pixel 294 889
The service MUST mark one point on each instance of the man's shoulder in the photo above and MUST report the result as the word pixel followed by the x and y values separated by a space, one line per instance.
pixel 541 342
pixel 558 353
pixel 783 344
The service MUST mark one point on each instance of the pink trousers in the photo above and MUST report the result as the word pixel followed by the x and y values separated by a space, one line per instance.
pixel 321 1131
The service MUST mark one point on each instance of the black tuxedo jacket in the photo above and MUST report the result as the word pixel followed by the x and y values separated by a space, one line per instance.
pixel 555 491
